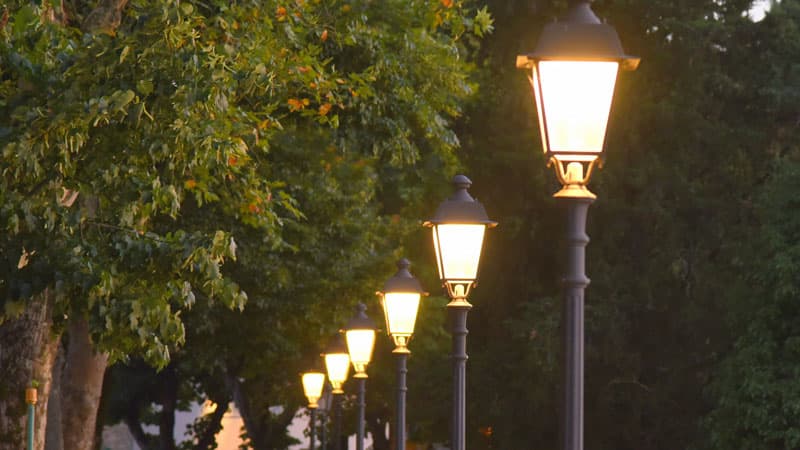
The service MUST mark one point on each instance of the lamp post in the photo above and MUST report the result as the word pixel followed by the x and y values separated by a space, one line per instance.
pixel 337 364
pixel 573 71
pixel 360 336
pixel 324 407
pixel 400 300
pixel 312 386
pixel 458 228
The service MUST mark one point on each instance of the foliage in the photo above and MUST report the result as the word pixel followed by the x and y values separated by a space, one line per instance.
pixel 691 136
pixel 754 392
pixel 138 157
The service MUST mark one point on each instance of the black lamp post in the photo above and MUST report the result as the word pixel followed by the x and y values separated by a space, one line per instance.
pixel 458 227
pixel 360 336
pixel 337 364
pixel 312 387
pixel 573 71
pixel 400 300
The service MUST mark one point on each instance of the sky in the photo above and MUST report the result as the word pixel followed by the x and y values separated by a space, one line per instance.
pixel 760 7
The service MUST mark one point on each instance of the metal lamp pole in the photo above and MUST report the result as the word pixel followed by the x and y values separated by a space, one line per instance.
pixel 575 283
pixel 400 415
pixel 313 383
pixel 400 300
pixel 458 228
pixel 337 421
pixel 313 429
pixel 324 407
pixel 362 405
pixel 573 73
pixel 360 337
pixel 458 309
pixel 337 364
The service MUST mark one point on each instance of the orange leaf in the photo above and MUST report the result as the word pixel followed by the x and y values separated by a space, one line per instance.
pixel 280 13
pixel 447 3
pixel 324 36
pixel 323 109
pixel 232 160
pixel 295 104
pixel 190 184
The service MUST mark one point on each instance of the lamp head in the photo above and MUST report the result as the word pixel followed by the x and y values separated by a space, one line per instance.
pixel 573 74
pixel 458 230
pixel 337 363
pixel 313 383
pixel 400 300
pixel 360 337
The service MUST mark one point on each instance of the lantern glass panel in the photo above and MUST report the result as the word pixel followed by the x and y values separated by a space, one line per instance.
pixel 458 250
pixel 360 344
pixel 338 366
pixel 312 386
pixel 576 99
pixel 400 309
pixel 538 97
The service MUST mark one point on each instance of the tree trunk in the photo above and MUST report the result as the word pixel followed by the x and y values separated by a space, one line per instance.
pixel 169 402
pixel 54 439
pixel 234 386
pixel 27 353
pixel 81 387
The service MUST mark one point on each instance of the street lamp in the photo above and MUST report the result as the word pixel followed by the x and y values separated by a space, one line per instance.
pixel 360 336
pixel 573 71
pixel 337 363
pixel 458 228
pixel 400 300
pixel 312 387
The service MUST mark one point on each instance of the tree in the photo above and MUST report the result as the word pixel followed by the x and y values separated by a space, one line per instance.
pixel 753 391
pixel 685 153
pixel 143 136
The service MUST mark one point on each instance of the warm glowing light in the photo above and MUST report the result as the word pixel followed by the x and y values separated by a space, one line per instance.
pixel 574 105
pixel 458 250
pixel 338 367
pixel 312 386
pixel 400 309
pixel 360 344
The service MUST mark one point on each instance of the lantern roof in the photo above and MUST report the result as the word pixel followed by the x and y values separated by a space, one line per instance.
pixel 360 321
pixel 336 345
pixel 403 281
pixel 461 208
pixel 579 35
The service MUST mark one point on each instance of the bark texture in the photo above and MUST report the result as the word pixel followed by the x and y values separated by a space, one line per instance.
pixel 54 440
pixel 81 387
pixel 27 353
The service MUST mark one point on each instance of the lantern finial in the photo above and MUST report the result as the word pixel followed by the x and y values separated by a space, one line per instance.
pixel 581 12
pixel 461 183
pixel 403 265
